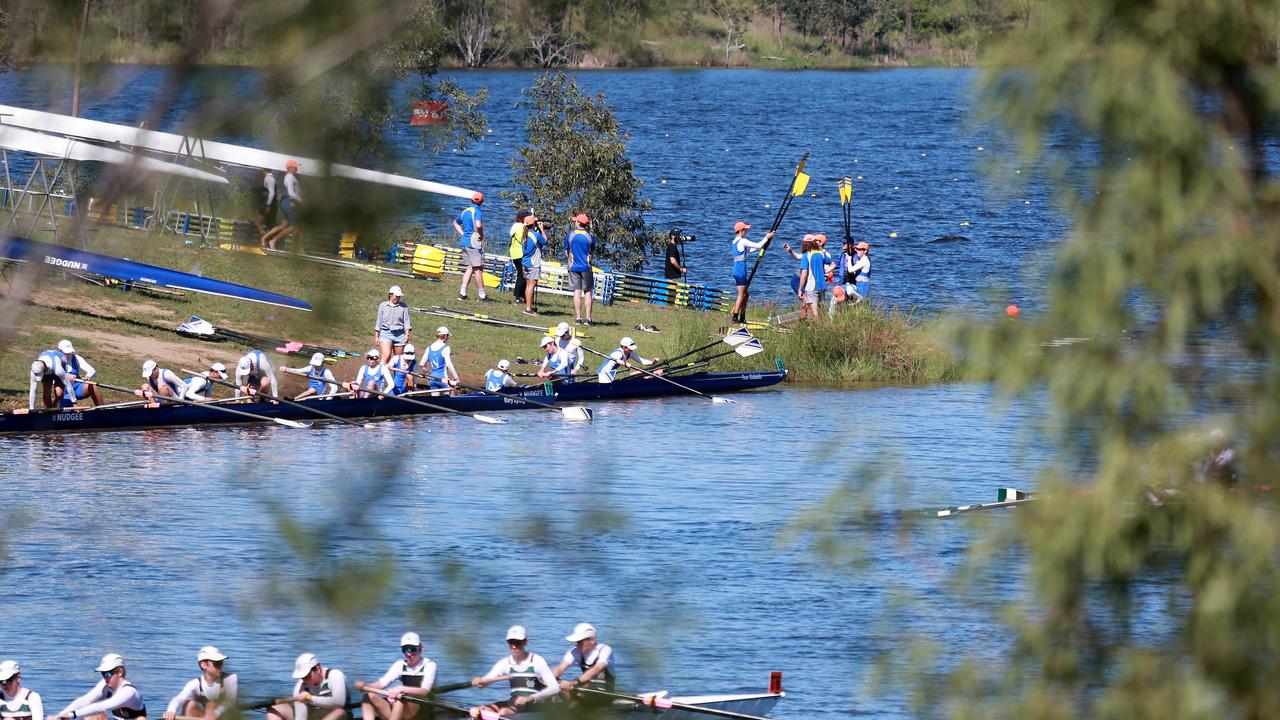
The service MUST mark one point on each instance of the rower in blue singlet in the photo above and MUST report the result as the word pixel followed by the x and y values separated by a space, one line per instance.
pixel 401 366
pixel 495 380
pixel 440 359
pixel 160 382
pixel 373 375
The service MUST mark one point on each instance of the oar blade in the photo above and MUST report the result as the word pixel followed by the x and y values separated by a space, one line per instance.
pixel 717 400
pixel 801 182
pixel 738 337
pixel 749 348
pixel 577 413
pixel 292 423
pixel 489 419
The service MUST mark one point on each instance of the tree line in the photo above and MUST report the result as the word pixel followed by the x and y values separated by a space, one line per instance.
pixel 535 33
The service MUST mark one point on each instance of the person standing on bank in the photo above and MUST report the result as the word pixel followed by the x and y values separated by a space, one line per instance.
pixel 392 325
pixel 516 252
pixel 290 205
pixel 740 246
pixel 266 217
pixel 535 241
pixel 470 227
pixel 578 246
pixel 862 272
pixel 673 268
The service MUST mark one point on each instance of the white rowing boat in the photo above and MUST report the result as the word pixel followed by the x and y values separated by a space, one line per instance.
pixel 240 155
pixel 13 138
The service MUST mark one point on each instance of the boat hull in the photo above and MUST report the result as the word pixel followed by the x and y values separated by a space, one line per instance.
pixel 645 387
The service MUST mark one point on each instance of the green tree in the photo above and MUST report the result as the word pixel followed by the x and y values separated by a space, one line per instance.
pixel 575 161
pixel 736 16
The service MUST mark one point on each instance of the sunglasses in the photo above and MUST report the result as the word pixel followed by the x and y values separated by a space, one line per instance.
pixel 516 643
pixel 106 674
pixel 11 678
pixel 410 649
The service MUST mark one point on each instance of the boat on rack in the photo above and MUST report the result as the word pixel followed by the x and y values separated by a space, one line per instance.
pixel 639 386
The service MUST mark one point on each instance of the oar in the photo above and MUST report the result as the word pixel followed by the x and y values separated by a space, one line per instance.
pixel 658 702
pixel 489 419
pixel 734 338
pixel 264 704
pixel 219 408
pixel 1005 497
pixel 574 412
pixel 286 401
pixel 435 690
pixel 747 349
pixel 429 700
pixel 712 398
pixel 846 203
pixel 796 187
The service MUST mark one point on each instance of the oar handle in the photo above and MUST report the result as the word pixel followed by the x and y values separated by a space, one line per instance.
pixel 264 704
pixel 652 375
pixel 284 400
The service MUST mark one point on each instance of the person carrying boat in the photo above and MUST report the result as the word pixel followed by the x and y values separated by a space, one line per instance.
pixel 79 371
pixel 530 677
pixel 210 693
pixel 496 379
pixel 739 247
pixel 17 702
pixel 391 327
pixel 556 365
pixel 402 381
pixel 49 371
pixel 373 375
pixel 200 387
pixel 254 374
pixel 112 697
pixel 413 675
pixel 440 359
pixel 320 379
pixel 535 241
pixel 579 243
pixel 593 658
pixel 621 358
pixel 470 227
pixel 290 206
pixel 266 217
pixel 323 691
pixel 570 347
pixel 160 382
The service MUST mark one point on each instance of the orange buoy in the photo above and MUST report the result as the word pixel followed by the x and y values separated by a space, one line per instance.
pixel 1012 311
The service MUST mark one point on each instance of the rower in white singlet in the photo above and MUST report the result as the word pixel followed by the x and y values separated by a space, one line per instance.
pixel 372 376
pixel 413 675
pixel 620 358
pixel 160 383
pixel 593 658
pixel 17 702
pixel 200 387
pixel 530 677
pixel 210 693
pixel 113 698
pixel 254 372
pixel 323 692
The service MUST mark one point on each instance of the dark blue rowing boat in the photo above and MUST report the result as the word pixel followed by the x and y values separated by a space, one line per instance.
pixel 639 386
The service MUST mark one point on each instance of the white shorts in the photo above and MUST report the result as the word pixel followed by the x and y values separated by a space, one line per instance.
pixel 473 257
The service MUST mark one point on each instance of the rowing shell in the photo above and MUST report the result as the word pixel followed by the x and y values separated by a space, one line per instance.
pixel 627 388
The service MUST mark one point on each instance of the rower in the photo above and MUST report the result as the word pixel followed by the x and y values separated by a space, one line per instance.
pixel 412 675
pixel 79 371
pixel 593 657
pixel 322 689
pixel 254 374
pixel 17 702
pixel 320 380
pixel 113 696
pixel 571 347
pixel 200 387
pixel 160 381
pixel 47 369
pixel 210 693
pixel 495 380
pixel 530 676
pixel 556 362
pixel 440 358
pixel 402 366
pixel 622 357
pixel 373 375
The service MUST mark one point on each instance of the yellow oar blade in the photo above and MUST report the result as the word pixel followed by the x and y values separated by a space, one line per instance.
pixel 802 182
pixel 846 193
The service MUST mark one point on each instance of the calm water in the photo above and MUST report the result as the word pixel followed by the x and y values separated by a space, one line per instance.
pixel 659 523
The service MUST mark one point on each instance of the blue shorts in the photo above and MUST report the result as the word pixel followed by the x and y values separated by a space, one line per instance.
pixel 395 336
pixel 286 206
pixel 739 278
pixel 437 385
pixel 864 287
pixel 78 388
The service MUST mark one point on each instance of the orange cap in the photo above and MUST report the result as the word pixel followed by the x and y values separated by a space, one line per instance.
pixel 862 246
pixel 291 165
pixel 477 198
pixel 581 218
pixel 740 226
pixel 809 237
pixel 820 237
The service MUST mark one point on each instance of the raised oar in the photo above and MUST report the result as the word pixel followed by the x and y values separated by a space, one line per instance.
pixel 662 703
pixel 796 187
pixel 573 412
pixel 734 338
pixel 747 349
pixel 489 419
pixel 211 406
pixel 287 401
pixel 712 398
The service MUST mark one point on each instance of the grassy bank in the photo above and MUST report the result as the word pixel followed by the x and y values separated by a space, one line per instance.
pixel 116 331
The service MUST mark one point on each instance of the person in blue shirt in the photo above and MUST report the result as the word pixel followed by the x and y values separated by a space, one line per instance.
pixel 495 380
pixel 470 227
pixel 813 277
pixel 535 241
pixel 739 247
pixel 578 245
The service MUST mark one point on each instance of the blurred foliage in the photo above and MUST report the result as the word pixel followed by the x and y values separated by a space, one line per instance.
pixel 575 161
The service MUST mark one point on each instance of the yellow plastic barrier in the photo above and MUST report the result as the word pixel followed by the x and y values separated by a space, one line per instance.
pixel 347 246
pixel 428 260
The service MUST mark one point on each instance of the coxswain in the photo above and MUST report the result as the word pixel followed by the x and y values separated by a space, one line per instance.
pixel 530 677
pixel 571 347
pixel 79 371
pixel 739 248
pixel 440 359
pixel 320 379
pixel 403 367
pixel 392 324
pixel 160 382
pixel 200 387
pixel 50 372
pixel 321 689
pixel 496 379
pixel 210 694
pixel 620 358
pixel 593 658
pixel 17 702
pixel 413 675
pixel 112 697
pixel 254 374
pixel 373 375
pixel 556 363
